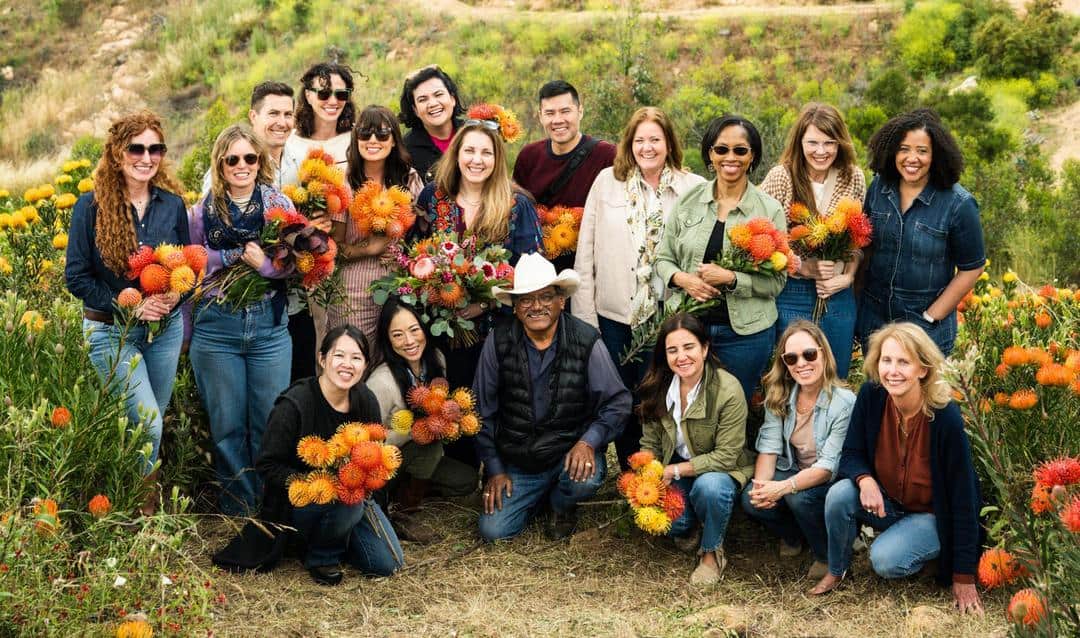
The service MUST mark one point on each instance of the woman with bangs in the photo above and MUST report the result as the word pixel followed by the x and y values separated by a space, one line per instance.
pixel 376 153
pixel 134 203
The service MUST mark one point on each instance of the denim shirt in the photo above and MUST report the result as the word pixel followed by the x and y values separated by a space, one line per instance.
pixel 87 276
pixel 831 417
pixel 917 253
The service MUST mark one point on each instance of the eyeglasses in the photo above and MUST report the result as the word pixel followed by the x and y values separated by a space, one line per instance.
pixel 724 149
pixel 381 134
pixel 828 145
pixel 136 151
pixel 491 125
pixel 791 358
pixel 251 159
pixel 543 299
pixel 324 94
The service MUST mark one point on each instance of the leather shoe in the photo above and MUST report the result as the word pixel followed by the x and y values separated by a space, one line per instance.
pixel 326 574
pixel 561 525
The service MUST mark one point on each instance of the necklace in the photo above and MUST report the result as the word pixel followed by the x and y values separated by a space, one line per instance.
pixel 469 201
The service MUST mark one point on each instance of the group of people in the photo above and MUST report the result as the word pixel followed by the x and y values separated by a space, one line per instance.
pixel 552 389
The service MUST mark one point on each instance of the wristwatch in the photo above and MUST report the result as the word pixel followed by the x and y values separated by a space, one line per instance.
pixel 927 318
pixel 677 475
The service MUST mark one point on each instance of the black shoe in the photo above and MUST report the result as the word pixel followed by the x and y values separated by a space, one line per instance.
pixel 561 525
pixel 326 575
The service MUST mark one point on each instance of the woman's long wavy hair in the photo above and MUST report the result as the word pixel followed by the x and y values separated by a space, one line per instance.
pixel 829 121
pixel 778 381
pixel 219 189
pixel 493 221
pixel 114 231
pixel 397 164
pixel 654 386
pixel 935 389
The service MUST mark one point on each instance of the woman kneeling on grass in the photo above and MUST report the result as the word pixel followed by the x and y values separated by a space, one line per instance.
pixel 693 417
pixel 906 470
pixel 807 409
pixel 317 406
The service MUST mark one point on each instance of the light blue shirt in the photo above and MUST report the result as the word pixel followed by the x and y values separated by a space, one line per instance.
pixel 831 417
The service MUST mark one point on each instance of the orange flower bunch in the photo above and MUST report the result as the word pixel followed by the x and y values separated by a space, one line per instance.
pixel 998 567
pixel 561 225
pixel 1027 607
pixel 656 505
pixel 322 189
pixel 378 210
pixel 832 235
pixel 99 506
pixel 1052 479
pixel 509 126
pixel 758 247
pixel 167 268
pixel 355 462
pixel 446 415
pixel 1049 373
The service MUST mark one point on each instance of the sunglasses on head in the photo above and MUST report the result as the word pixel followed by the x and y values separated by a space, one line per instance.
pixel 324 94
pixel 138 150
pixel 382 134
pixel 250 159
pixel 791 358
pixel 724 149
pixel 491 125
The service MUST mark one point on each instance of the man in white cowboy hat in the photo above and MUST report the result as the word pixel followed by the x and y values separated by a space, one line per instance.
pixel 550 399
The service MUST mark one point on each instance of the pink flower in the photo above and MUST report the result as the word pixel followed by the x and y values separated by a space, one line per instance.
pixel 405 290
pixel 450 248
pixel 505 271
pixel 447 276
pixel 423 268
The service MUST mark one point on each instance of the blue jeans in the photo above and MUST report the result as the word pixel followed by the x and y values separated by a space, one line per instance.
pixel 616 337
pixel 359 533
pixel 908 540
pixel 874 313
pixel 797 301
pixel 528 490
pixel 709 499
pixel 148 382
pixel 744 356
pixel 796 516
pixel 241 362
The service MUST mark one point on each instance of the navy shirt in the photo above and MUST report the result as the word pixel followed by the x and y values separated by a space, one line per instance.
pixel 87 276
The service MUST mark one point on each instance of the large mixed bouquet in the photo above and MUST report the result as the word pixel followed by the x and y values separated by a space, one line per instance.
pixel 353 464
pixel 561 225
pixel 378 210
pixel 443 415
pixel 656 505
pixel 165 269
pixel 830 236
pixel 322 189
pixel 440 277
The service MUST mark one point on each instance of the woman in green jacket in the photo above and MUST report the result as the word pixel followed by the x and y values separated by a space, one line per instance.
pixel 693 417
pixel 740 328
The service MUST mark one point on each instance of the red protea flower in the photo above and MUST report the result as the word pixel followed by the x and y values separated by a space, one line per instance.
pixel 432 404
pixel 1060 471
pixel 451 411
pixel 422 433
pixel 1070 515
pixel 416 395
pixel 61 417
pixel 129 298
pixel 761 247
pixel 140 259
pixel 1040 498
pixel 484 111
pixel 1027 607
pixel 350 495
pixel 99 506
pixel 376 480
pixel 196 256
pixel 640 459
pixel 760 226
pixel 154 279
pixel 352 475
pixel 439 426
pixel 860 230
pixel 440 385
pixel 366 454
pixel 674 503
pixel 998 567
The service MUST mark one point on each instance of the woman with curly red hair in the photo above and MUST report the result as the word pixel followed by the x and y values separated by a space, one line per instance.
pixel 134 203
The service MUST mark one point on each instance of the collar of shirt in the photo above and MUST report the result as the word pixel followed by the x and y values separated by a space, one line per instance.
pixel 674 404
pixel 749 202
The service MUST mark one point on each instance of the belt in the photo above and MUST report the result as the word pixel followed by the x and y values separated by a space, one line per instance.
pixel 94 315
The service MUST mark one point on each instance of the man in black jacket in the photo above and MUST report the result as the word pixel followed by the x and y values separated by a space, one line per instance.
pixel 551 400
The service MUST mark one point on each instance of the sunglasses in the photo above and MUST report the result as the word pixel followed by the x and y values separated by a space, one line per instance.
pixel 381 134
pixel 791 358
pixel 138 150
pixel 251 159
pixel 491 125
pixel 724 149
pixel 324 94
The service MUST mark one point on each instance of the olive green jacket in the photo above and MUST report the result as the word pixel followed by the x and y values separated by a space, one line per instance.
pixel 714 427
pixel 752 305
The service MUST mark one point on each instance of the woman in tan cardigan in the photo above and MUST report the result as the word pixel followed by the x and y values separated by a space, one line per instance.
pixel 817 169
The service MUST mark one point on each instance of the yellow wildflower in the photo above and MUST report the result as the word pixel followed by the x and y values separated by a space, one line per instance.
pixel 46 265
pixel 4 193
pixel 60 241
pixel 18 220
pixel 46 191
pixel 191 198
pixel 5 221
pixel 62 179
pixel 33 321
pixel 30 214
pixel 69 166
pixel 66 200
pixel 86 185
pixel 85 163
pixel 985 276
pixel 32 195
pixel 5 266
pixel 652 520
pixel 1009 277
pixel 779 261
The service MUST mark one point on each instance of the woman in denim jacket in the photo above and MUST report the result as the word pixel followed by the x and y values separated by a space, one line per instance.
pixel 807 408
pixel 927 249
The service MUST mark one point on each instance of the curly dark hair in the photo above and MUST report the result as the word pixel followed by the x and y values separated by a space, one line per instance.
pixel 947 162
pixel 408 114
pixel 398 163
pixel 315 78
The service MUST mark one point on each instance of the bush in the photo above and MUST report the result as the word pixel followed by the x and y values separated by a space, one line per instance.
pixel 863 121
pixel 195 164
pixel 87 147
pixel 1017 48
pixel 921 37
pixel 970 116
pixel 894 90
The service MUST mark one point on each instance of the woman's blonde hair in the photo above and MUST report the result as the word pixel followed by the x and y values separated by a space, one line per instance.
pixel 225 139
pixel 828 120
pixel 779 382
pixel 935 389
pixel 114 232
pixel 493 221
pixel 624 154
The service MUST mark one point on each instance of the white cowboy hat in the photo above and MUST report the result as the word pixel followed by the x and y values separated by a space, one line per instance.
pixel 533 273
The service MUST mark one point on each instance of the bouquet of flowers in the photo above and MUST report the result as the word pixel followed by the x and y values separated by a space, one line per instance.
pixel 165 269
pixel 322 188
pixel 289 240
pixel 353 464
pixel 561 225
pixel 829 236
pixel 440 277
pixel 758 247
pixel 446 415
pixel 509 126
pixel 377 210
pixel 656 505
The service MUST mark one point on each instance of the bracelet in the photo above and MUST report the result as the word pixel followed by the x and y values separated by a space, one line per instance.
pixel 794 485
pixel 678 476
pixel 927 318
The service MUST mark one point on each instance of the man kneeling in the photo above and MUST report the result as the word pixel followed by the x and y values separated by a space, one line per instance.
pixel 551 400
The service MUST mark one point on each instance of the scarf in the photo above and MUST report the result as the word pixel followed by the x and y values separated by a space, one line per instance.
pixel 237 227
pixel 646 220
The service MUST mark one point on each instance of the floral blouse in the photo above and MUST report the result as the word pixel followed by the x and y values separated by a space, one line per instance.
pixel 444 215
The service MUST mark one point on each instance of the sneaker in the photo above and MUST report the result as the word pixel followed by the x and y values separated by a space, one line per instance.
pixel 326 575
pixel 705 574
pixel 690 543
pixel 561 525
pixel 789 551
pixel 817 570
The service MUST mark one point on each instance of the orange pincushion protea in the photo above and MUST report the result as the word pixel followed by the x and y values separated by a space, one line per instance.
pixel 376 432
pixel 99 506
pixel 759 226
pixel 321 487
pixel 432 403
pixel 47 512
pixel 422 432
pixel 129 298
pixel 470 424
pixel 1060 471
pixel 1043 319
pixel 154 279
pixel 798 212
pixel 314 451
pixel 391 457
pixel 740 236
pixel 1027 607
pixel 353 433
pixel 195 256
pixel 61 417
pixel 1023 399
pixel 367 455
pixel 647 493
pixel 1015 356
pixel 761 246
pixel 1040 498
pixel 299 495
pixel 640 459
pixel 1054 374
pixel 352 474
pixel 1070 515
pixel 451 294
pixel 627 483
pixel 674 504
pixel 998 567
pixel 140 259
pixel 174 259
pixel 350 496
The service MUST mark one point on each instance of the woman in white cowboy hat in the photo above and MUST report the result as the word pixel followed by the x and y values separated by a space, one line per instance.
pixel 550 399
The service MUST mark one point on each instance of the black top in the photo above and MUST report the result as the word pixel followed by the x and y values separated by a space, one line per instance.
pixel 423 152
pixel 714 249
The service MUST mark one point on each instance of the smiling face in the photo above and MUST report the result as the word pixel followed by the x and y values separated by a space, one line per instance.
pixel 913 158
pixel 407 336
pixel 819 150
pixel 370 147
pixel 328 110
pixel 240 178
pixel 732 167
pixel 274 120
pixel 685 355
pixel 539 311
pixel 900 371
pixel 650 147
pixel 144 167
pixel 476 157
pixel 344 363
pixel 434 104
pixel 807 374
pixel 561 118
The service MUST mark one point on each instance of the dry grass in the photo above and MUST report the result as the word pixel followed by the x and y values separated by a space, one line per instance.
pixel 603 582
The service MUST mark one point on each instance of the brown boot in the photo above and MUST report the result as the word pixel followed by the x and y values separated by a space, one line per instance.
pixel 412 492
pixel 409 528
pixel 153 495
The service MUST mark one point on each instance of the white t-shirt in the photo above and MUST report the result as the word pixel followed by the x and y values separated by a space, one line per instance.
pixel 674 405
pixel 296 149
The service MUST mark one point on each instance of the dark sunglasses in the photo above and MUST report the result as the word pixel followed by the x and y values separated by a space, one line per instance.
pixel 791 358
pixel 723 149
pixel 324 94
pixel 491 125
pixel 138 150
pixel 381 134
pixel 251 159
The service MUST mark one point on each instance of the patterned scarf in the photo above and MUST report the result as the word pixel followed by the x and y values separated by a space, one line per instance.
pixel 646 220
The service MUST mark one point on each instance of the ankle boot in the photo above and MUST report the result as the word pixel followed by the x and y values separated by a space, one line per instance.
pixel 153 494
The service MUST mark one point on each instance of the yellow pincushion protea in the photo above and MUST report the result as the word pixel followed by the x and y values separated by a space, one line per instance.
pixel 321 487
pixel 299 494
pixel 652 471
pixel 401 421
pixel 652 520
pixel 314 451
pixel 819 232
pixel 391 457
pixel 304 262
pixel 182 279
pixel 86 185
pixel 464 398
pixel 470 424
pixel 5 266
pixel 778 261
pixel 353 433
pixel 647 493
pixel 837 222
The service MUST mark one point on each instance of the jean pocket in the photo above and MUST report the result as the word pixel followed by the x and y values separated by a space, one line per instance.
pixel 929 244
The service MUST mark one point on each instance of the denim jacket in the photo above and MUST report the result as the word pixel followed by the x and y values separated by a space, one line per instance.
pixel 831 416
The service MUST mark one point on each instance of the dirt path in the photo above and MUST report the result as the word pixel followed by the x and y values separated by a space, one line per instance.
pixel 500 10
pixel 1064 127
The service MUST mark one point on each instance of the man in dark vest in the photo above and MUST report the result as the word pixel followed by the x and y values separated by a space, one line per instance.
pixel 550 399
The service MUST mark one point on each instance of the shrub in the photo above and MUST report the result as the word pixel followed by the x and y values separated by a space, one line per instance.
pixel 1016 48
pixel 921 37
pixel 894 90
pixel 87 147
pixel 195 164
